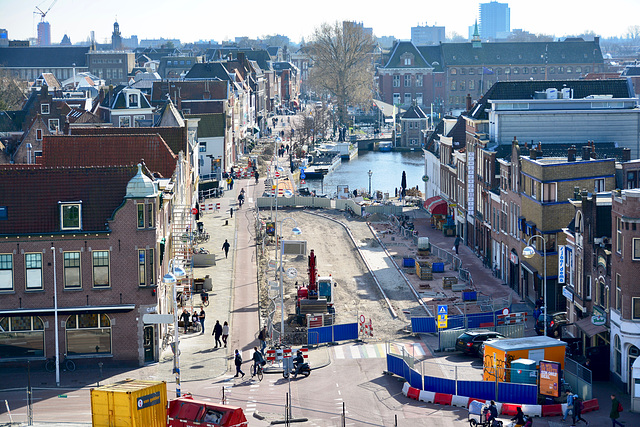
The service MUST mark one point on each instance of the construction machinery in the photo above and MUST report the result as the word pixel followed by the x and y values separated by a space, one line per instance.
pixel 316 298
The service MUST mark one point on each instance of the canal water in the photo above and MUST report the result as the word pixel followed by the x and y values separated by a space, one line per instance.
pixel 387 170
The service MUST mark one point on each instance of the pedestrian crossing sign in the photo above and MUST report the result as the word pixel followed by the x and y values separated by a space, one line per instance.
pixel 443 314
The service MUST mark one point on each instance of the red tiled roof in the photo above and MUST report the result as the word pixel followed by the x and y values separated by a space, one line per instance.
pixel 109 150
pixel 175 137
pixel 31 194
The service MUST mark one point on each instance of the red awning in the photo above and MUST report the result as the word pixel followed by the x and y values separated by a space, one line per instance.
pixel 436 205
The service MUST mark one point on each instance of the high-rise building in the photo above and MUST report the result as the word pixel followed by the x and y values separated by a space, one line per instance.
pixel 495 21
pixel 425 35
pixel 44 33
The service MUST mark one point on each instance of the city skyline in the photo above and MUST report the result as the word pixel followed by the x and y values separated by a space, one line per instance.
pixel 254 19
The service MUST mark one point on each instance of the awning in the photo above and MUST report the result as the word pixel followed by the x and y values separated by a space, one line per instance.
pixel 436 205
pixel 68 310
pixel 589 328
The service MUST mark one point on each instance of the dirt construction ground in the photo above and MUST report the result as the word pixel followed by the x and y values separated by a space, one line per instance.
pixel 356 292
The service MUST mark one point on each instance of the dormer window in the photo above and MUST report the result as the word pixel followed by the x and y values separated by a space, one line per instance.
pixel 70 215
pixel 44 108
pixel 134 100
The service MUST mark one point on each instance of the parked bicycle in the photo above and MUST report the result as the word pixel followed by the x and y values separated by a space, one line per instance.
pixel 65 364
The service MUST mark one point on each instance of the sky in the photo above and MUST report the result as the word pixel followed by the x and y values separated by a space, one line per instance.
pixel 220 20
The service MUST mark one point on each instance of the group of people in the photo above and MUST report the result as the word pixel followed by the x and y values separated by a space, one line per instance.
pixel 193 318
pixel 220 331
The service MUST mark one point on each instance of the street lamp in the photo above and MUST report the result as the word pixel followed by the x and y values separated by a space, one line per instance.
pixel 528 252
pixel 176 272
pixel 55 316
pixel 370 173
pixel 294 230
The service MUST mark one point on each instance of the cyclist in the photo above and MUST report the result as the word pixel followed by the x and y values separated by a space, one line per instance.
pixel 258 359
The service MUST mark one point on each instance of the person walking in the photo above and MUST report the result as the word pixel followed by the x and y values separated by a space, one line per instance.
pixel 238 361
pixel 185 319
pixel 217 331
pixel 231 212
pixel 201 317
pixel 262 337
pixel 257 175
pixel 616 408
pixel 570 398
pixel 240 199
pixel 225 333
pixel 577 411
pixel 456 243
pixel 225 248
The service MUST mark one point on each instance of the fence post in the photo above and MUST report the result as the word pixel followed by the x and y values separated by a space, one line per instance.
pixel 456 375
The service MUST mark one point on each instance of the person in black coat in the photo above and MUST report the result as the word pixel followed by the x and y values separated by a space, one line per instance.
pixel 217 332
pixel 238 362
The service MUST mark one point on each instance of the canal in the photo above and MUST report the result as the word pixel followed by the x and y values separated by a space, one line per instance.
pixel 387 170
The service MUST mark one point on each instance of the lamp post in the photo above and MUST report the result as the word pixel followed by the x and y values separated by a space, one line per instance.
pixel 294 230
pixel 55 316
pixel 528 252
pixel 171 278
pixel 370 173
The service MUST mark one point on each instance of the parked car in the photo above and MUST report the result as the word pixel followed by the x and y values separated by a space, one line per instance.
pixel 470 341
pixel 481 349
pixel 555 323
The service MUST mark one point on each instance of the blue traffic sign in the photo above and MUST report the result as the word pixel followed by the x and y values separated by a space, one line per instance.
pixel 443 309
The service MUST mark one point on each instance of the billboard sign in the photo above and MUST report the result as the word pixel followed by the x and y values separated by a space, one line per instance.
pixel 549 378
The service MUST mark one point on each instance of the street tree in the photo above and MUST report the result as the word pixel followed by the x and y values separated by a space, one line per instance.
pixel 11 92
pixel 342 61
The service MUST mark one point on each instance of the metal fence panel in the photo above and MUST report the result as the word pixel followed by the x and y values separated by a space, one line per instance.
pixel 345 331
pixel 439 385
pixel 395 365
pixel 423 325
pixel 319 335
pixel 415 379
pixel 477 389
pixel 518 393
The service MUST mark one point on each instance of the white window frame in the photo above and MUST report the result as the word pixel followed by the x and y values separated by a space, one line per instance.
pixel 62 216
pixel 6 272
pixel 396 99
pixel 96 263
pixel 396 80
pixel 619 237
pixel 407 80
pixel 45 109
pixel 135 120
pixel 33 275
pixel 407 96
pixel 635 315
pixel 635 249
pixel 124 120
pixel 550 187
pixel 587 286
pixel 599 185
pixel 419 98
pixel 72 262
pixel 419 80
pixel 54 125
pixel 39 134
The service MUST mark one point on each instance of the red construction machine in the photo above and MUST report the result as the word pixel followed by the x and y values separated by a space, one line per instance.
pixel 315 299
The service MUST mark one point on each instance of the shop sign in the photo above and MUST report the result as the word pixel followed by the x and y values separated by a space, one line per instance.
pixel 513 258
pixel 599 317
pixel 561 263
pixel 549 378
pixel 567 293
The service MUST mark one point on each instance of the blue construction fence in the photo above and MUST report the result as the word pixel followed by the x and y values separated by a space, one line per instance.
pixel 332 333
pixel 523 394
pixel 458 321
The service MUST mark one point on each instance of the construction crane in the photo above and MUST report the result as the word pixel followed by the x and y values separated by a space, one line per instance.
pixel 43 14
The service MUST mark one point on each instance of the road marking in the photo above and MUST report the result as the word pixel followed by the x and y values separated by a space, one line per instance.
pixel 355 352
pixel 338 352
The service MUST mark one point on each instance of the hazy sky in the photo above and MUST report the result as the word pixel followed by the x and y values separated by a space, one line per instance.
pixel 192 20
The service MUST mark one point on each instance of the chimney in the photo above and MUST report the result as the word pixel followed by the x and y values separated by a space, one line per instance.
pixel 571 154
pixel 593 150
pixel 468 102
pixel 586 152
pixel 533 154
pixel 626 154
pixel 241 57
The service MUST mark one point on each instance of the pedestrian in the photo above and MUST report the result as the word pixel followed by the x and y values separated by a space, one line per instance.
pixel 570 398
pixel 217 331
pixel 201 317
pixel 225 333
pixel 577 411
pixel 231 212
pixel 238 362
pixel 616 408
pixel 225 248
pixel 240 199
pixel 257 174
pixel 262 337
pixel 518 418
pixel 195 320
pixel 231 179
pixel 456 243
pixel 185 319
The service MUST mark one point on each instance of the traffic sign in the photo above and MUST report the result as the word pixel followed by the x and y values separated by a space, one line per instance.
pixel 443 314
pixel 443 309
pixel 277 174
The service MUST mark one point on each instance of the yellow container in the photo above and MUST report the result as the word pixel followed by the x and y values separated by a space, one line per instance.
pixel 130 403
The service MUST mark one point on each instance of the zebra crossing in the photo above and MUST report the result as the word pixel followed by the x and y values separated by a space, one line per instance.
pixel 379 350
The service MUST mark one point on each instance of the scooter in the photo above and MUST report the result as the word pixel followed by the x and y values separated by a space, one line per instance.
pixel 303 369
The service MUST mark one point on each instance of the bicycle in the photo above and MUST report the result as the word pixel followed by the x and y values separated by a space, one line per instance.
pixel 65 364
pixel 258 372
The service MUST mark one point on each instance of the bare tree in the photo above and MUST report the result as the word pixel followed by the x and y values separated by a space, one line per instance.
pixel 633 32
pixel 11 92
pixel 342 64
pixel 454 37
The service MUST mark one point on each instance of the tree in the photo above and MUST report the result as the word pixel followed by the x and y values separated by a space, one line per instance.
pixel 342 64
pixel 11 94
pixel 454 37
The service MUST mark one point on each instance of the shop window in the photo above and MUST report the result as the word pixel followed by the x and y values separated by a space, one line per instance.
pixel 6 272
pixel 100 269
pixel 21 336
pixel 72 270
pixel 33 265
pixel 88 334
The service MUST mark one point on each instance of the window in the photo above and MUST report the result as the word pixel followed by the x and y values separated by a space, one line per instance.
pixel 124 122
pixel 100 269
pixel 6 272
pixel 203 146
pixel 419 98
pixel 453 85
pixel 617 364
pixel 407 80
pixel 44 109
pixel 549 192
pixel 534 192
pixel 419 80
pixel 88 334
pixel 137 120
pixel 150 216
pixel 598 185
pixel 141 215
pixel 72 270
pixel 635 309
pixel 587 285
pixel 396 81
pixel 396 99
pixel 619 239
pixel 407 99
pixel 38 134
pixel 54 125
pixel 21 336
pixel 33 265
pixel 636 249
pixel 4 213
pixel 453 71
pixel 70 216
pixel 618 293
pixel 133 100
pixel 146 274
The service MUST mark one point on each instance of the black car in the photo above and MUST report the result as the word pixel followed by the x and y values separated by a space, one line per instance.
pixel 470 341
pixel 555 322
